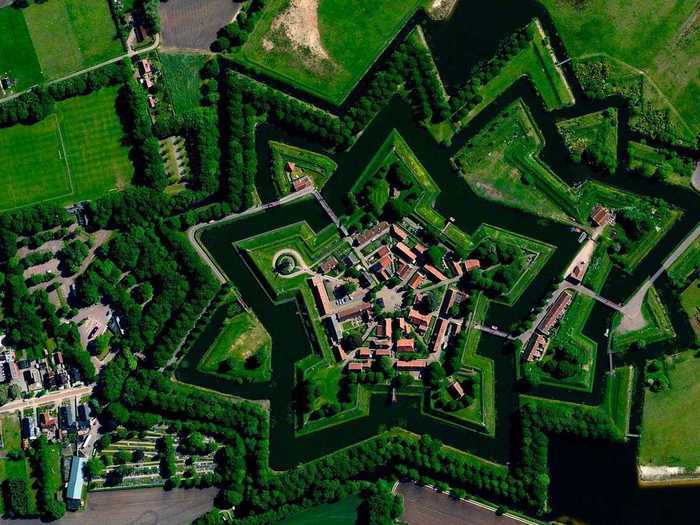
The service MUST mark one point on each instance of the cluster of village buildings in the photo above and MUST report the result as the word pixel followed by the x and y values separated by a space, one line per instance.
pixel 297 177
pixel 147 77
pixel 537 345
pixel 379 254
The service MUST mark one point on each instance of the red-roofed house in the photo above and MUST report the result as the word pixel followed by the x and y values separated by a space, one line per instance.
pixel 405 345
pixel 472 264
pixel 363 353
pixel 398 232
pixel 457 267
pixel 383 251
pixel 324 304
pixel 411 366
pixel 405 252
pixel 422 322
pixel 440 335
pixel 434 273
pixel 382 352
pixel 416 281
pixel 403 325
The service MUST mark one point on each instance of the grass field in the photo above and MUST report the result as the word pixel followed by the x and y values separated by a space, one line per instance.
pixel 660 37
pixel 617 400
pixel 660 164
pixel 500 164
pixel 34 165
pixel 669 427
pixel 92 133
pixel 593 135
pixel 658 327
pixel 69 35
pixel 181 72
pixel 686 264
pixel 343 39
pixel 17 56
pixel 11 434
pixel 342 512
pixel 690 300
pixel 241 336
pixel 73 155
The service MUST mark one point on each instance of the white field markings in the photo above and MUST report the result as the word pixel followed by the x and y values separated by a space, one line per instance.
pixel 63 155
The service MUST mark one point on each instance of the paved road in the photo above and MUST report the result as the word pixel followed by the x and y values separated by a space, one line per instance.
pixel 633 318
pixel 424 506
pixel 139 507
pixel 695 181
pixel 53 397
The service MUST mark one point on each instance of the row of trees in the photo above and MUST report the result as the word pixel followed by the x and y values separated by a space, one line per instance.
pixel 48 479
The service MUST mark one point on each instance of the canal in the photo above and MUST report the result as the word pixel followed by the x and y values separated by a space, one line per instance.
pixel 593 482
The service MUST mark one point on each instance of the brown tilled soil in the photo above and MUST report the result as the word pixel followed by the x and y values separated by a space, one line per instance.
pixel 193 24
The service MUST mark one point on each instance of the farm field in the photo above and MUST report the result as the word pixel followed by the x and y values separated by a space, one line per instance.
pixel 669 436
pixel 87 35
pixel 181 72
pixel 342 512
pixel 72 155
pixel 659 37
pixel 324 51
pixel 193 24
pixel 17 56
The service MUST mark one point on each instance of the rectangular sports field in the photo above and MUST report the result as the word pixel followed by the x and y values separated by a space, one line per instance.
pixel 69 35
pixel 73 155
pixel 342 39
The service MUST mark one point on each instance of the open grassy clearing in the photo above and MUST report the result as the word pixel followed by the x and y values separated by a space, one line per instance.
pixel 658 327
pixel 181 73
pixel 617 399
pixel 690 300
pixel 592 136
pixel 17 56
pixel 87 35
pixel 342 512
pixel 241 337
pixel 316 166
pixel 500 164
pixel 660 164
pixel 324 46
pixel 660 37
pixel 669 428
pixel 11 433
pixel 34 164
pixel 535 62
pixel 92 133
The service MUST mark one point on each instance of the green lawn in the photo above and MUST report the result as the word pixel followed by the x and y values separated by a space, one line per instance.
pixel 690 300
pixel 316 166
pixel 17 56
pixel 92 133
pixel 73 155
pixel 181 72
pixel 500 164
pixel 241 336
pixel 684 266
pixel 669 426
pixel 657 36
pixel 592 137
pixel 658 325
pixel 69 35
pixel 347 36
pixel 342 512
pixel 11 433
pixel 34 165
pixel 660 164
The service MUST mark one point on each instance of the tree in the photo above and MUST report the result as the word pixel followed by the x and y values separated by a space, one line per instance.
pixel 435 255
pixel 4 394
pixel 15 392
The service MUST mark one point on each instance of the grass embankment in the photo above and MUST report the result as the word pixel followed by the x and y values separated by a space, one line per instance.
pixel 538 253
pixel 346 38
pixel 342 512
pixel 617 400
pixel 242 336
pixel 316 166
pixel 181 73
pixel 74 155
pixel 535 62
pixel 660 164
pixel 690 300
pixel 87 35
pixel 500 164
pixel 593 138
pixel 299 237
pixel 683 267
pixel 658 325
pixel 654 35
pixel 669 426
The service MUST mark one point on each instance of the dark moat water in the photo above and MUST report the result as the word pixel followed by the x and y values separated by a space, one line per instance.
pixel 593 482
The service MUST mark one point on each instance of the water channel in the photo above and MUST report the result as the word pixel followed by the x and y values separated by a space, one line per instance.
pixel 592 482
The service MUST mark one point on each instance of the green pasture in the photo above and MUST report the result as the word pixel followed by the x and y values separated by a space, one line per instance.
pixel 342 512
pixel 660 164
pixel 595 135
pixel 17 56
pixel 351 33
pixel 690 301
pixel 181 73
pixel 686 264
